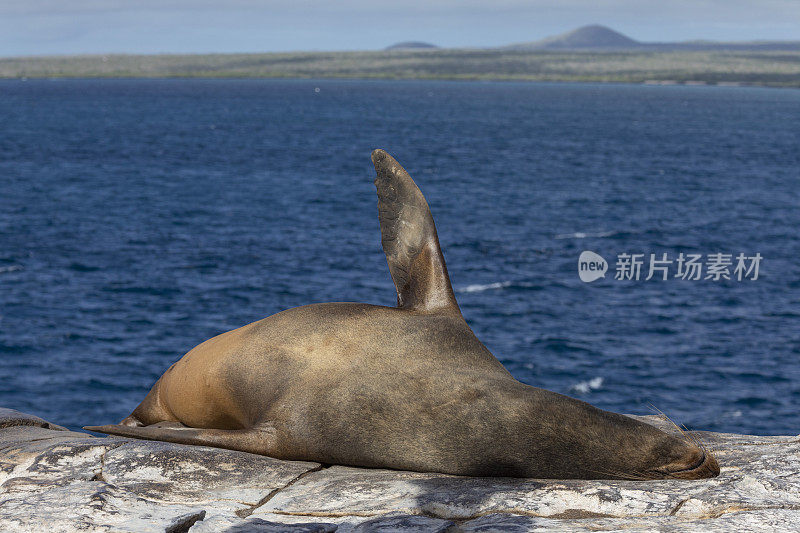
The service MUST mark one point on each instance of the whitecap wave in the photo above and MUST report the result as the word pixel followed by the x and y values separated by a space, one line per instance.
pixel 582 235
pixel 584 387
pixel 479 287
pixel 11 268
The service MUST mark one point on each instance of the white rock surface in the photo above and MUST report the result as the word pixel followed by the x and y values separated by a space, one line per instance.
pixel 56 480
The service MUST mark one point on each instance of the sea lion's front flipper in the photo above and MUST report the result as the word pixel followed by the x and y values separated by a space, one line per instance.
pixel 253 440
pixel 409 240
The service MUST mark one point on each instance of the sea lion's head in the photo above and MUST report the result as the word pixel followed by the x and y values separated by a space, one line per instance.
pixel 635 450
pixel 671 457
pixel 566 438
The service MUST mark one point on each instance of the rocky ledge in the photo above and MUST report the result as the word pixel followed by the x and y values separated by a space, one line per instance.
pixel 53 480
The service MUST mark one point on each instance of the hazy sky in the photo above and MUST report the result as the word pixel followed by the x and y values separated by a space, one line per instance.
pixel 30 27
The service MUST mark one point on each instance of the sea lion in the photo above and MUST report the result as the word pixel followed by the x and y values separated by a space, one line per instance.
pixel 407 387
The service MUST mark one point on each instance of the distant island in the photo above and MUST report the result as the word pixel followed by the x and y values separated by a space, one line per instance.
pixel 597 37
pixel 589 54
pixel 411 45
pixel 593 37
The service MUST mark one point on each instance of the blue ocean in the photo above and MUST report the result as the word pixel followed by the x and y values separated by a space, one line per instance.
pixel 140 217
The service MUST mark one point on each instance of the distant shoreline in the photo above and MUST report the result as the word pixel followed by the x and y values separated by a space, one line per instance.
pixel 749 68
pixel 666 83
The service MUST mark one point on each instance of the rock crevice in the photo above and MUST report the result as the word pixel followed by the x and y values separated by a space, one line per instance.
pixel 244 513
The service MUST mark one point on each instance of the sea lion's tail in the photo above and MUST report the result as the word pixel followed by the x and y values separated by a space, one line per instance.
pixel 243 440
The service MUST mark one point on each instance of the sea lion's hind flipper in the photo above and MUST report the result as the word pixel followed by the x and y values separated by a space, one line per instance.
pixel 256 441
pixel 409 240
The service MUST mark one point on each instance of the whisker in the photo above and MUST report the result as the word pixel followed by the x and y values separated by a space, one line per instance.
pixel 644 475
pixel 625 476
pixel 695 438
pixel 703 445
pixel 685 433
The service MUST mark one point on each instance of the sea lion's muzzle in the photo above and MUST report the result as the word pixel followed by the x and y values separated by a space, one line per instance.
pixel 698 465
